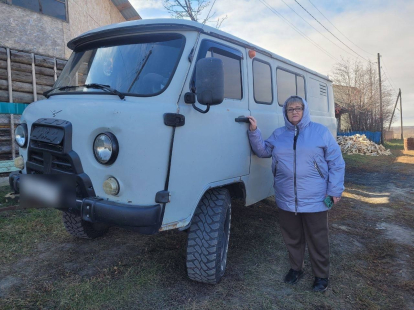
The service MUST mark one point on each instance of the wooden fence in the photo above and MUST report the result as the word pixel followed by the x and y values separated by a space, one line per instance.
pixel 24 77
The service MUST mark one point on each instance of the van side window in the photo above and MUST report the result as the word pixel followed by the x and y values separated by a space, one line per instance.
pixel 289 84
pixel 231 59
pixel 262 82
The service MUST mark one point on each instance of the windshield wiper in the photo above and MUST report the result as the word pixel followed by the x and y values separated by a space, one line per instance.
pixel 92 85
pixel 46 93
pixel 105 87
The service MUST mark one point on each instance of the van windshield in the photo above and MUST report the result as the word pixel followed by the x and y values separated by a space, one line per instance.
pixel 140 66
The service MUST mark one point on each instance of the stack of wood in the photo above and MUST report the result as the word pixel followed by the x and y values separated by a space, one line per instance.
pixel 359 144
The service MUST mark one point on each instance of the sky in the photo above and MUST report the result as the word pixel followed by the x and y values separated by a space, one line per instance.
pixel 367 27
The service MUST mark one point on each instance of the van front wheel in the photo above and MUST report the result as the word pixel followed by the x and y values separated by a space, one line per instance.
pixel 208 237
pixel 82 229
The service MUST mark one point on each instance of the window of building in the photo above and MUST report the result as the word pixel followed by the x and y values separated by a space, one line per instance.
pixel 54 8
pixel 231 59
pixel 289 84
pixel 262 82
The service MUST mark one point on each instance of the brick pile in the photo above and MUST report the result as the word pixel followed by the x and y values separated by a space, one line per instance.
pixel 409 144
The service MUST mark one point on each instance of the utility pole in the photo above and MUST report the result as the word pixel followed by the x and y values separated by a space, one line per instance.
pixel 402 134
pixel 395 106
pixel 380 96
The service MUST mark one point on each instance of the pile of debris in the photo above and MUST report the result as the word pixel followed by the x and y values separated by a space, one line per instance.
pixel 359 144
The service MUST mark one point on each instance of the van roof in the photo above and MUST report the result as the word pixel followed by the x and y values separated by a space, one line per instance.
pixel 150 25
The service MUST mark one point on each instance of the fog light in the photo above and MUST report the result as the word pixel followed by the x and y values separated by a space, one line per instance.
pixel 19 162
pixel 111 186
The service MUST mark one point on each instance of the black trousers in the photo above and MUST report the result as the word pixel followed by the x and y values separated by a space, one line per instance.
pixel 307 229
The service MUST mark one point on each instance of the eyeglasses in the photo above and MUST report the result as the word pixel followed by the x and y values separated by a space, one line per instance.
pixel 295 109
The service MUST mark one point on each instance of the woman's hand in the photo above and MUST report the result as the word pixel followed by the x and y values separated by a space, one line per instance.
pixel 336 199
pixel 253 123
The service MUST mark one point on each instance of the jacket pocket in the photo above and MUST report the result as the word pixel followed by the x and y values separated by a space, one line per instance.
pixel 318 169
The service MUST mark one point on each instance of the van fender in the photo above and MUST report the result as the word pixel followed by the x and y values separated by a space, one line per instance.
pixel 236 187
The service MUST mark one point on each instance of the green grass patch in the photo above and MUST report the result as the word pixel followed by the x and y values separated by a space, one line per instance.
pixel 396 144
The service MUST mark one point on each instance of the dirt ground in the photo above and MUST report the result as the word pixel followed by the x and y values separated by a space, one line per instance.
pixel 372 251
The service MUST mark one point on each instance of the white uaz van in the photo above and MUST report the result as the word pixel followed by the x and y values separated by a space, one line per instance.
pixel 149 118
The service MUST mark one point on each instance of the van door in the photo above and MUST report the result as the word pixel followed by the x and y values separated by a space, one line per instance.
pixel 265 109
pixel 212 147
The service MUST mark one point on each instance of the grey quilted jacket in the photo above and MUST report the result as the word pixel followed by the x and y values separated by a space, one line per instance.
pixel 306 166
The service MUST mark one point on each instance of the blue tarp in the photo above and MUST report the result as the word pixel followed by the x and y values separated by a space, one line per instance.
pixel 373 136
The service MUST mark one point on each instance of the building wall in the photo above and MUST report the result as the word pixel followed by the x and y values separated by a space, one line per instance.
pixel 25 30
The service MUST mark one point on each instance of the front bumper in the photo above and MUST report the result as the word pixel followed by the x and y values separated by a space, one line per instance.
pixel 144 219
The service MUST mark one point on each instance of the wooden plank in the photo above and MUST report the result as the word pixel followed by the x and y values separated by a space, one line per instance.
pixel 22 87
pixel 21 57
pixel 7 166
pixel 9 79
pixel 34 78
pixel 12 136
pixel 60 64
pixel 41 89
pixel 44 80
pixel 4 95
pixel 3 64
pixel 23 97
pixel 3 53
pixel 55 70
pixel 3 85
pixel 43 61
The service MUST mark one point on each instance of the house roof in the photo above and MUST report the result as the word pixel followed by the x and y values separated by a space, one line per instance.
pixel 126 9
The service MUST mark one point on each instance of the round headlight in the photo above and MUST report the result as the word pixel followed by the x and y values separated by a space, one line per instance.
pixel 20 135
pixel 105 148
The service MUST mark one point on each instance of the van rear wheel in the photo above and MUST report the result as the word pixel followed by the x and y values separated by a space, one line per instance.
pixel 82 229
pixel 208 237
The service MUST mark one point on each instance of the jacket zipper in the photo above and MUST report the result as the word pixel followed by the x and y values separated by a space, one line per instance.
pixel 295 139
pixel 319 170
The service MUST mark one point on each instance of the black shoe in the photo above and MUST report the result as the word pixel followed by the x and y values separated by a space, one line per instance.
pixel 294 276
pixel 320 284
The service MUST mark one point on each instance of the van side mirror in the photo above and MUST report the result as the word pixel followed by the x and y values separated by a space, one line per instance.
pixel 209 82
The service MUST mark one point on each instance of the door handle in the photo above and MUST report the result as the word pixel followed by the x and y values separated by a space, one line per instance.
pixel 242 119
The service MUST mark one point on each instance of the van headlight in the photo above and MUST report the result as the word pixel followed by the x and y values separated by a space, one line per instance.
pixel 20 135
pixel 105 148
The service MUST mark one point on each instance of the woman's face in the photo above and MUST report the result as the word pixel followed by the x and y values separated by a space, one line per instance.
pixel 294 112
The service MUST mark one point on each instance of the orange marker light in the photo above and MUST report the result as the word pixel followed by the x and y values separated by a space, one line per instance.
pixel 252 53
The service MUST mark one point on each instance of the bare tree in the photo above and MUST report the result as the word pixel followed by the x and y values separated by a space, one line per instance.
pixel 356 88
pixel 193 10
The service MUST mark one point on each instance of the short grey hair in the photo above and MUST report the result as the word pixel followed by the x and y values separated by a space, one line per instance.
pixel 294 99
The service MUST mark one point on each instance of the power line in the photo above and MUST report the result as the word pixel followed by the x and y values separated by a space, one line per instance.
pixel 296 29
pixel 386 73
pixel 338 29
pixel 316 29
pixel 210 10
pixel 388 79
pixel 329 31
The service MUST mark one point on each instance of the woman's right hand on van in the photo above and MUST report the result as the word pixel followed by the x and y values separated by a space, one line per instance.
pixel 253 123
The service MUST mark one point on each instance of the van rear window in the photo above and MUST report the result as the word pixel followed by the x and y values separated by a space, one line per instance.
pixel 143 66
pixel 289 84
pixel 262 82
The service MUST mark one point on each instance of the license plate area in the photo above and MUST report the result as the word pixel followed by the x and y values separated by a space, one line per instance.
pixel 47 191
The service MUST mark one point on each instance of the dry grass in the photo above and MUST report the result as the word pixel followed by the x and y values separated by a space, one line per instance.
pixel 43 267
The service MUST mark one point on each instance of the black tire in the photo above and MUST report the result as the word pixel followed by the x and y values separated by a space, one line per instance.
pixel 208 237
pixel 82 229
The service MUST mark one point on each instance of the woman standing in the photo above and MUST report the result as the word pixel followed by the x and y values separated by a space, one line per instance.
pixel 307 166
